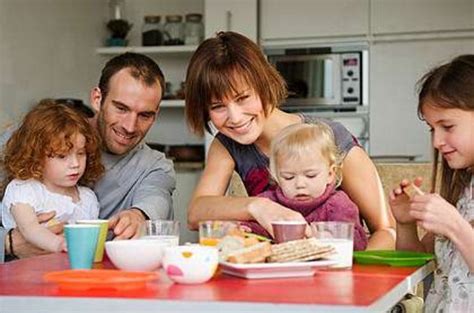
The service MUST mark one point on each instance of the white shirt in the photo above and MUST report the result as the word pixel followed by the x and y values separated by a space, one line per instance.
pixel 36 194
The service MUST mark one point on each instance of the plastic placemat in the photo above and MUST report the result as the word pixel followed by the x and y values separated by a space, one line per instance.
pixel 392 258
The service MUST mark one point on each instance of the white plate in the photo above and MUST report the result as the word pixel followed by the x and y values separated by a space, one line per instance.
pixel 274 270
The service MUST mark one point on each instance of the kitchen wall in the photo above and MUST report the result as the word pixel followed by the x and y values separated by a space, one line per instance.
pixel 47 50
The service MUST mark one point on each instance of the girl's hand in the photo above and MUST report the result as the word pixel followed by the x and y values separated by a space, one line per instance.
pixel 265 211
pixel 435 214
pixel 400 203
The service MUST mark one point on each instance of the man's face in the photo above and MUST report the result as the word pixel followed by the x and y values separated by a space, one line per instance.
pixel 127 113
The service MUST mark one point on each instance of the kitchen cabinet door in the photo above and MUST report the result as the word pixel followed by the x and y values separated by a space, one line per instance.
pixel 412 16
pixel 231 15
pixel 307 19
pixel 395 68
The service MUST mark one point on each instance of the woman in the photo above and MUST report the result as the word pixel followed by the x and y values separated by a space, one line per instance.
pixel 230 83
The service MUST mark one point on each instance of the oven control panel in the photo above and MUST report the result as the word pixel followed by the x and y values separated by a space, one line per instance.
pixel 351 72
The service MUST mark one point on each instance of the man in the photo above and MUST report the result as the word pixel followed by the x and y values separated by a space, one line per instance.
pixel 138 182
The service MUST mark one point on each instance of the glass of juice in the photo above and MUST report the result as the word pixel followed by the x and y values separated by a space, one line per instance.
pixel 211 232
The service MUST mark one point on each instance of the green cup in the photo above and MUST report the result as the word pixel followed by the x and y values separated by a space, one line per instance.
pixel 104 226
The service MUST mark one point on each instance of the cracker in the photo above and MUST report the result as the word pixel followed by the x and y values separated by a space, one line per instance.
pixel 412 190
pixel 300 250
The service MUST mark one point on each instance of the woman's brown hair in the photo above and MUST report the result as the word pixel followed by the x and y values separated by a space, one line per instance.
pixel 218 66
pixel 46 131
pixel 449 86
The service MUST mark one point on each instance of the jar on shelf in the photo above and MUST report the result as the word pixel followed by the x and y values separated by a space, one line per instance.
pixel 152 31
pixel 193 29
pixel 174 30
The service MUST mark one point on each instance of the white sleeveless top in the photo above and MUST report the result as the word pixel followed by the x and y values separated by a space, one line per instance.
pixel 36 194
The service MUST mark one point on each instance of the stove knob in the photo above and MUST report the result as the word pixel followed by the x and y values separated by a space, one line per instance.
pixel 350 73
pixel 350 90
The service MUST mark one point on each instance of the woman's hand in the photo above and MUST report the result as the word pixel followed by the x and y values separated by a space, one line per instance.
pixel 265 211
pixel 435 214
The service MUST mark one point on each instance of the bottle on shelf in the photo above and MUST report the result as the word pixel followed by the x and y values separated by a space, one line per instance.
pixel 152 31
pixel 193 29
pixel 174 30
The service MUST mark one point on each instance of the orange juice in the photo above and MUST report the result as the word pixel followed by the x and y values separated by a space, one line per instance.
pixel 207 241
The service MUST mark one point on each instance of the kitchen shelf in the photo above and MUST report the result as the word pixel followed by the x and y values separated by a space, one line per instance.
pixel 148 50
pixel 172 104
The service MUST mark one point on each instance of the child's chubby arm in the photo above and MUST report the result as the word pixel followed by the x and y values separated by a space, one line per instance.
pixel 27 222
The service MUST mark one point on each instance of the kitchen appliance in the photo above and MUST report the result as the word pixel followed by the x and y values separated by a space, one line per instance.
pixel 320 76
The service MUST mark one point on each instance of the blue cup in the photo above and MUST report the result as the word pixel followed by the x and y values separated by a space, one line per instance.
pixel 81 241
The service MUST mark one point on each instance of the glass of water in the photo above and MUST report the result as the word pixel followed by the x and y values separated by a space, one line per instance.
pixel 162 230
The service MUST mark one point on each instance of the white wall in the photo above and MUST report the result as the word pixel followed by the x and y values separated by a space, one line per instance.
pixel 47 49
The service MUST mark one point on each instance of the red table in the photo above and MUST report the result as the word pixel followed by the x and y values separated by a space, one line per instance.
pixel 362 289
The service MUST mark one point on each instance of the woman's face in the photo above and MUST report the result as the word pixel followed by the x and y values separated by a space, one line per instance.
pixel 240 117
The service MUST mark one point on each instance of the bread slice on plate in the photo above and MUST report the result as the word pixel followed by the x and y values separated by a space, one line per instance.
pixel 253 254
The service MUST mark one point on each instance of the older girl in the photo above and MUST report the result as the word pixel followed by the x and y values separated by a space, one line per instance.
pixel 230 83
pixel 446 104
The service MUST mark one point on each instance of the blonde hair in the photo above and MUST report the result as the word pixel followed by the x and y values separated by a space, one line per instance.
pixel 297 140
pixel 449 86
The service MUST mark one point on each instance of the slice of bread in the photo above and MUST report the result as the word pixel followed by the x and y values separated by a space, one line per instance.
pixel 256 253
pixel 412 190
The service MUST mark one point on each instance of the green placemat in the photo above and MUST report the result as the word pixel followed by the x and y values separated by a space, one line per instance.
pixel 392 258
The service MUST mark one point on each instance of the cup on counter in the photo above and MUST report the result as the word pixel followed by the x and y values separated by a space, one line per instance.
pixel 104 226
pixel 341 236
pixel 211 232
pixel 162 230
pixel 81 241
pixel 288 230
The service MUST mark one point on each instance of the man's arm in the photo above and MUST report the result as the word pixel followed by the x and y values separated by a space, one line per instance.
pixel 3 244
pixel 148 197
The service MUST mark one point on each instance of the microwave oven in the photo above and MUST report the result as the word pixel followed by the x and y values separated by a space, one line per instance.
pixel 320 79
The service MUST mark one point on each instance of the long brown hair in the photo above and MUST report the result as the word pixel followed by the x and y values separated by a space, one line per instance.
pixel 449 86
pixel 46 131
pixel 218 66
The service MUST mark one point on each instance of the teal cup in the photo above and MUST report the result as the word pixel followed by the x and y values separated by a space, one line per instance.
pixel 81 241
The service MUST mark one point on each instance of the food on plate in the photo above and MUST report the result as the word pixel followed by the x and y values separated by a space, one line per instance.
pixel 412 190
pixel 256 253
pixel 300 250
pixel 234 251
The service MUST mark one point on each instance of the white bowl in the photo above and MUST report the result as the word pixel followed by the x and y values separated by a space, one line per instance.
pixel 191 264
pixel 135 255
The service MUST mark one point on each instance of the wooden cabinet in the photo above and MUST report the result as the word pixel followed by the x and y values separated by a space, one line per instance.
pixel 231 15
pixel 415 16
pixel 307 19
pixel 395 68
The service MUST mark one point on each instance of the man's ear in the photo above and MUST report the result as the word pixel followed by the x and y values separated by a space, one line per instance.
pixel 96 99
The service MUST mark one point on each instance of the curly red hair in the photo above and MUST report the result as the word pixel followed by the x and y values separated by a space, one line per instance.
pixel 46 131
